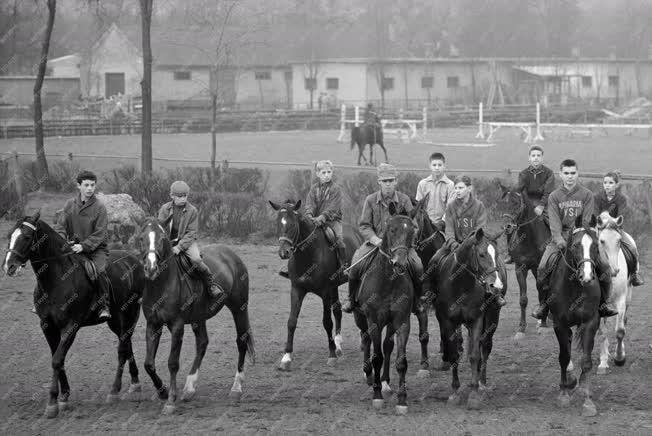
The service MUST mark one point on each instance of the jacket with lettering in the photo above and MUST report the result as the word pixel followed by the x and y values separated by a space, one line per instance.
pixel 462 218
pixel 325 199
pixel 564 206
pixel 376 210
pixel 537 184
pixel 616 206
pixel 84 222
pixel 188 223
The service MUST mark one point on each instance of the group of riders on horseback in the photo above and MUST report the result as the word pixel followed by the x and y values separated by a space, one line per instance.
pixel 452 208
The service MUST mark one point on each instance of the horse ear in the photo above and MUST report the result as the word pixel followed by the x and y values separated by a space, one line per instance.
pixel 619 221
pixel 274 205
pixel 297 205
pixel 413 201
pixel 479 234
pixel 36 216
pixel 593 221
pixel 578 222
pixel 392 208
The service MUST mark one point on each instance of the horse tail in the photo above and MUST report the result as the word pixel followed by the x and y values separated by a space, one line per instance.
pixel 243 330
pixel 354 136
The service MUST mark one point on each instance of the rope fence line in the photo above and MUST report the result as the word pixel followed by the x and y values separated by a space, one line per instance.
pixel 310 165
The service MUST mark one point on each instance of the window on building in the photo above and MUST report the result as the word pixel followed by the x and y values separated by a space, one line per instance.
pixel 587 81
pixel 310 83
pixel 453 82
pixel 263 75
pixel 613 81
pixel 427 82
pixel 388 83
pixel 182 75
pixel 332 83
pixel 288 76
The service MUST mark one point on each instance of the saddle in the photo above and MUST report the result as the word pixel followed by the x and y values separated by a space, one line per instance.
pixel 187 266
pixel 330 234
pixel 89 268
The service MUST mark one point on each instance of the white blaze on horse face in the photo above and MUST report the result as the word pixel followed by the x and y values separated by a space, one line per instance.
pixel 586 246
pixel 12 244
pixel 151 255
pixel 498 284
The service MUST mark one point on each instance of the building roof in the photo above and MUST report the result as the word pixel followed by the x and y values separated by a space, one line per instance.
pixel 466 60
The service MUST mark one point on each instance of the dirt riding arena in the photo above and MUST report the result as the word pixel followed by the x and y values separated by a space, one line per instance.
pixel 314 398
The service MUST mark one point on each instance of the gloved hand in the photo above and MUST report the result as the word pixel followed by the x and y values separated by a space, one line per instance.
pixel 319 221
pixel 176 250
pixel 440 225
pixel 375 240
pixel 538 210
pixel 561 244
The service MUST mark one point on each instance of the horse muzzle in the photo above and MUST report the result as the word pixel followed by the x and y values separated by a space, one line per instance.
pixel 12 269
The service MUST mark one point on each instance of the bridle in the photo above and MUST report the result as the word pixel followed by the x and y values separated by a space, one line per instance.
pixel 393 250
pixel 295 244
pixel 479 277
pixel 515 225
pixel 422 243
pixel 575 270
pixel 23 260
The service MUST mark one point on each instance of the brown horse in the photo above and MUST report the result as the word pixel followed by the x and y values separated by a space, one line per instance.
pixel 385 297
pixel 66 300
pixel 368 135
pixel 312 267
pixel 174 297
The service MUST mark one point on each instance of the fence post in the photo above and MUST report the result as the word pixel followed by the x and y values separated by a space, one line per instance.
pixel 648 198
pixel 18 177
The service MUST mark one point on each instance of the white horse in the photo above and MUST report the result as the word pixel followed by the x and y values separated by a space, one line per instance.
pixel 610 236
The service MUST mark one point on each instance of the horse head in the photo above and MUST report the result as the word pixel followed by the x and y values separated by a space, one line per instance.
pixel 425 228
pixel 22 244
pixel 479 254
pixel 153 246
pixel 513 204
pixel 610 237
pixel 287 226
pixel 399 236
pixel 582 251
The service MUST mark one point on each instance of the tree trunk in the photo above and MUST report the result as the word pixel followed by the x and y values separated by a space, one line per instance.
pixel 146 88
pixel 213 137
pixel 44 174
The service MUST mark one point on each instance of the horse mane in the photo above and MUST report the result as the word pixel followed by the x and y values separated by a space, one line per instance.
pixel 57 242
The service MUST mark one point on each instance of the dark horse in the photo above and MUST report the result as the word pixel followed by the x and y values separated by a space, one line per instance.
pixel 368 134
pixel 428 240
pixel 385 297
pixel 461 281
pixel 66 300
pixel 312 267
pixel 575 302
pixel 527 237
pixel 174 297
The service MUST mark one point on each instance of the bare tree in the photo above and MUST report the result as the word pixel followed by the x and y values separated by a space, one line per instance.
pixel 44 174
pixel 146 88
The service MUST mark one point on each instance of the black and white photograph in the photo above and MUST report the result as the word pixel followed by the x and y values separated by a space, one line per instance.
pixel 415 217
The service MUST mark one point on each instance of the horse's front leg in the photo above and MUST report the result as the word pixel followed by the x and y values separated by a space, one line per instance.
pixel 375 332
pixel 152 338
pixel 365 347
pixel 402 335
pixel 296 300
pixel 588 339
pixel 67 337
pixel 176 341
pixel 201 344
pixel 327 322
pixel 424 339
pixel 53 336
pixel 336 307
pixel 388 347
pixel 567 383
pixel 475 332
pixel 521 278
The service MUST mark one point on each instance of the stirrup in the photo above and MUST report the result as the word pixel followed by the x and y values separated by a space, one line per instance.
pixel 637 280
pixel 284 274
pixel 605 311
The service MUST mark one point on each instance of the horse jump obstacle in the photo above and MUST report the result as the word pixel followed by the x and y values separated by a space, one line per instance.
pixel 537 126
pixel 412 124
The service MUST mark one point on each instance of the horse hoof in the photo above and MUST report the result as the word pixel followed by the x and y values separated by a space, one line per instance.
pixel 64 405
pixel 135 387
pixel 454 400
pixel 285 366
pixel 571 385
pixel 338 345
pixel 423 373
pixel 602 370
pixel 235 395
pixel 163 393
pixel 401 410
pixel 338 352
pixel 564 400
pixel 483 388
pixel 331 362
pixel 187 395
pixel 386 390
pixel 474 402
pixel 570 366
pixel 378 404
pixel 112 398
pixel 588 409
pixel 168 409
pixel 51 411
pixel 443 366
pixel 519 336
pixel 620 362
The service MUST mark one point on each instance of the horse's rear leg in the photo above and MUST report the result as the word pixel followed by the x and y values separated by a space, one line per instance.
pixel 296 300
pixel 424 338
pixel 67 337
pixel 176 341
pixel 384 151
pixel 152 338
pixel 245 343
pixel 327 322
pixel 336 307
pixel 201 344
pixel 388 347
pixel 402 335
pixel 521 278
